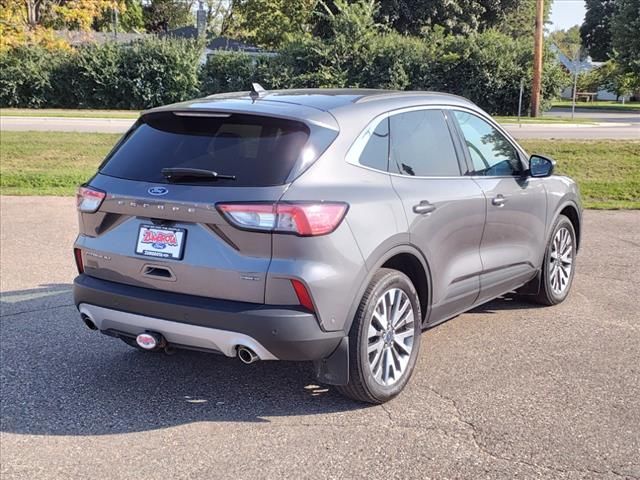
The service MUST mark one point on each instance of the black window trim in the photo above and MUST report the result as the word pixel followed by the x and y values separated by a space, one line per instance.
pixel 357 147
pixel 522 156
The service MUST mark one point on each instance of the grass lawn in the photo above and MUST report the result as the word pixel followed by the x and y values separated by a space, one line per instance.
pixel 54 163
pixel 54 112
pixel 601 105
pixel 49 163
pixel 607 171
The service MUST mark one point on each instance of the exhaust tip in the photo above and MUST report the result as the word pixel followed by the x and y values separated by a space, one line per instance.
pixel 246 355
pixel 88 322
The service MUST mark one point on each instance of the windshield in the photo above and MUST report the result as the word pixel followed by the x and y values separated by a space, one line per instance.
pixel 257 151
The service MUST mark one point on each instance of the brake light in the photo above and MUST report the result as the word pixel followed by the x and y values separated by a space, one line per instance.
pixel 77 253
pixel 303 294
pixel 304 219
pixel 89 199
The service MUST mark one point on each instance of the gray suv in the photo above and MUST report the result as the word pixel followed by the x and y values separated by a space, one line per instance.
pixel 330 226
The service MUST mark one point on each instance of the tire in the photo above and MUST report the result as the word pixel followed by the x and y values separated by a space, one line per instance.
pixel 558 270
pixel 379 376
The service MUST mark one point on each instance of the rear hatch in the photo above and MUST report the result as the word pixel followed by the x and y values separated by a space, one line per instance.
pixel 166 233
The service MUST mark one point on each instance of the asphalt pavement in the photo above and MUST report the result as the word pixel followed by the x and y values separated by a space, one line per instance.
pixel 509 390
pixel 624 128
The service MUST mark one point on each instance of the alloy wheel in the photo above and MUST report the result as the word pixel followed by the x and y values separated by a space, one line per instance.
pixel 561 261
pixel 390 336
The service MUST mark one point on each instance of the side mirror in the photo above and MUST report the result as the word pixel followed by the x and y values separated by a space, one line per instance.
pixel 540 166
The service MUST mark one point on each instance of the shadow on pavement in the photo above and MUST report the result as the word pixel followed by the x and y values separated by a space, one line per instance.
pixel 60 378
pixel 510 301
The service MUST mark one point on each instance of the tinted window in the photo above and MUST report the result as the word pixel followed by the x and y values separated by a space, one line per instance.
pixel 376 151
pixel 259 151
pixel 491 153
pixel 421 145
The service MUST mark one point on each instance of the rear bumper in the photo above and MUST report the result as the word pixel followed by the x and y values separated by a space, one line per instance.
pixel 273 332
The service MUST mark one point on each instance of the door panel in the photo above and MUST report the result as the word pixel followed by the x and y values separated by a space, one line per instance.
pixel 513 239
pixel 445 211
pixel 449 237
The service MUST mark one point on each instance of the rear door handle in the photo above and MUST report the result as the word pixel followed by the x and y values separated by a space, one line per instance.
pixel 424 207
pixel 499 200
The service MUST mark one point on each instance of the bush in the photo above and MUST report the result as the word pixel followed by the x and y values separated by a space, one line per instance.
pixel 227 72
pixel 28 76
pixel 141 75
pixel 485 67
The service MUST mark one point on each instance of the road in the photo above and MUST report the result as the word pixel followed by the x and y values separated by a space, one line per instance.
pixel 606 130
pixel 596 115
pixel 506 391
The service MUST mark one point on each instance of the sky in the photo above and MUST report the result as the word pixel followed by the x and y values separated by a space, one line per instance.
pixel 566 13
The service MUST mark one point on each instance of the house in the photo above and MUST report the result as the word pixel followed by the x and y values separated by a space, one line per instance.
pixel 217 44
pixel 580 66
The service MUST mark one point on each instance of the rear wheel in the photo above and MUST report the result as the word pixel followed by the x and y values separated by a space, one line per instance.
pixel 384 339
pixel 558 268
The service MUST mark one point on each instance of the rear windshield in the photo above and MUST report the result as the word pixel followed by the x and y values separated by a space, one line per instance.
pixel 258 151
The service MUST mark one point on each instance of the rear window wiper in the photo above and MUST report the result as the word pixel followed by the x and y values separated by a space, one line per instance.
pixel 174 174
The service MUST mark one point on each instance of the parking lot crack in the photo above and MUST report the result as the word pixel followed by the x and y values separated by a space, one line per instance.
pixel 13 314
pixel 476 433
pixel 386 410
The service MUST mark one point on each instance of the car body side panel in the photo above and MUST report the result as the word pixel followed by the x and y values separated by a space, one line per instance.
pixel 330 266
pixel 374 216
pixel 449 237
pixel 561 192
pixel 514 234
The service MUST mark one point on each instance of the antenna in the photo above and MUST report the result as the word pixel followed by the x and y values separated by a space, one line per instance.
pixel 257 91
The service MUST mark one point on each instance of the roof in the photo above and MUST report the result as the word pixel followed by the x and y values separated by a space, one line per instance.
pixel 182 32
pixel 329 99
pixel 319 106
pixel 582 65
pixel 225 43
pixel 217 43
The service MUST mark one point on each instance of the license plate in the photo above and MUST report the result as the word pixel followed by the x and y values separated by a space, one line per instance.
pixel 161 242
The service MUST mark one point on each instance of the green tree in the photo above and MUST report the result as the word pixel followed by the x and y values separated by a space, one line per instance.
pixel 130 18
pixel 596 29
pixel 269 23
pixel 568 42
pixel 162 15
pixel 625 29
pixel 513 17
pixel 613 78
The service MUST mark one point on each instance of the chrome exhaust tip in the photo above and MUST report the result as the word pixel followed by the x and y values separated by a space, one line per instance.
pixel 88 322
pixel 246 355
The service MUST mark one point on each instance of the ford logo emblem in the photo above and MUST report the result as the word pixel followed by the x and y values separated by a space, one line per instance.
pixel 158 191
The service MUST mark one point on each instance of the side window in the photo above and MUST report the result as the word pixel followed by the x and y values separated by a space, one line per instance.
pixel 421 145
pixel 376 151
pixel 491 153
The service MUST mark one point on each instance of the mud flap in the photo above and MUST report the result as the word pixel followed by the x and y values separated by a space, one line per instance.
pixel 334 370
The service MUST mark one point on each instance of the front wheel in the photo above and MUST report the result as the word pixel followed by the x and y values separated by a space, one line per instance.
pixel 559 263
pixel 384 339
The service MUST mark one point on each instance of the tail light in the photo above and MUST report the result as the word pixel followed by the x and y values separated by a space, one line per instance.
pixel 303 219
pixel 77 253
pixel 89 199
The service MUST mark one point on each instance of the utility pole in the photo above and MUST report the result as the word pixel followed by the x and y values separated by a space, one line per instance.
pixel 537 60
